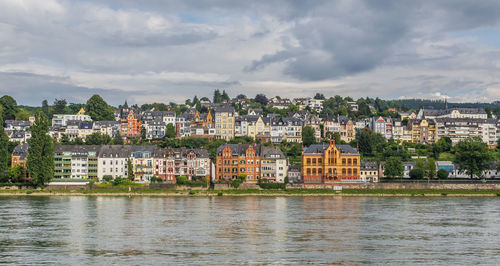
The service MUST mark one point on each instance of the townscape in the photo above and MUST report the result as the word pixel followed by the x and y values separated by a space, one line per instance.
pixel 313 142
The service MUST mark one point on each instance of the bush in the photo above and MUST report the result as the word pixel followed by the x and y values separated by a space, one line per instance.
pixel 107 178
pixel 416 173
pixel 272 185
pixel 442 174
pixel 120 181
pixel 181 180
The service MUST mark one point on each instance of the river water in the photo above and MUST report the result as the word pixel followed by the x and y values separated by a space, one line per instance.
pixel 249 230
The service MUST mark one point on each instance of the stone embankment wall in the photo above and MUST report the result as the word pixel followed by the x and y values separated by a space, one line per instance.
pixel 398 186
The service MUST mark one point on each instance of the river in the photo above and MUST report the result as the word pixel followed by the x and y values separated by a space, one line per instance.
pixel 249 230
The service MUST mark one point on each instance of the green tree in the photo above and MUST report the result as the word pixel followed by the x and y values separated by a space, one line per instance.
pixel 22 114
pixel 130 170
pixel 117 139
pixel 241 96
pixel 224 96
pixel 97 138
pixel 442 174
pixel 60 106
pixel 65 139
pixel 4 149
pixel 430 168
pixel 261 98
pixel 40 161
pixel 170 133
pixel 308 137
pixel 98 109
pixel 9 107
pixel 416 173
pixel 394 167
pixel 217 96
pixel 319 96
pixel 472 156
pixel 16 174
pixel 45 108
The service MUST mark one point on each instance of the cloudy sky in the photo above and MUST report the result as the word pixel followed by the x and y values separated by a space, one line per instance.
pixel 162 51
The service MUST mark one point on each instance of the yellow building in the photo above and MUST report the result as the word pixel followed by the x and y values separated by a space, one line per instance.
pixel 423 131
pixel 224 122
pixel 323 163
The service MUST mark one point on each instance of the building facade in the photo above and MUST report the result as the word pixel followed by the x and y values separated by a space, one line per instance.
pixel 323 163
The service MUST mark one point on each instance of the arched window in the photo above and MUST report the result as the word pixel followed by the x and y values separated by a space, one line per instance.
pixel 320 171
pixel 314 160
pixel 355 161
pixel 354 171
pixel 314 171
pixel 343 161
pixel 349 171
pixel 349 161
pixel 343 171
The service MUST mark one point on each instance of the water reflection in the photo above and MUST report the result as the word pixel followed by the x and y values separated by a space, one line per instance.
pixel 237 230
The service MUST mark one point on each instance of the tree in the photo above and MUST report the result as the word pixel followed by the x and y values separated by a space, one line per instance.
pixel 117 139
pixel 170 133
pixel 130 170
pixel 442 174
pixel 224 96
pixel 261 98
pixel 45 108
pixel 40 161
pixel 217 96
pixel 369 141
pixel 59 106
pixel 9 107
pixel 22 114
pixel 65 139
pixel 430 168
pixel 4 150
pixel 393 167
pixel 472 156
pixel 97 138
pixel 416 173
pixel 107 178
pixel 308 137
pixel 319 96
pixel 16 174
pixel 98 109
pixel 241 97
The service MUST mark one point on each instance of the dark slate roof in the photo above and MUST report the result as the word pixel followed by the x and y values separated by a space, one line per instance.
pixel 21 151
pixel 466 120
pixel 240 149
pixel 366 165
pixel 268 151
pixel 224 109
pixel 294 168
pixel 115 151
pixel 183 152
pixel 77 148
pixel 319 148
pixel 86 125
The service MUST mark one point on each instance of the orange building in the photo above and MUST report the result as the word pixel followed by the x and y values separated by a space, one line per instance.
pixel 235 159
pixel 130 122
pixel 323 163
pixel 19 155
pixel 203 120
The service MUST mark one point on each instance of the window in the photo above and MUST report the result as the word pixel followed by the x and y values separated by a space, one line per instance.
pixel 314 160
pixel 308 171
pixel 308 160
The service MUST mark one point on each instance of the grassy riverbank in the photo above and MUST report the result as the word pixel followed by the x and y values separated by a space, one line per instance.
pixel 122 191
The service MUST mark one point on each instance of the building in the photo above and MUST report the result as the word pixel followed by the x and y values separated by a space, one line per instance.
pixel 342 125
pixel 315 104
pixel 130 122
pixel 19 155
pixel 477 113
pixel 369 171
pixel 62 119
pixel 458 129
pixel 113 161
pixel 224 122
pixel 194 164
pixel 235 159
pixel 311 120
pixel 274 165
pixel 142 162
pixel 76 161
pixel 382 126
pixel 17 125
pixel 294 174
pixel 423 131
pixel 110 128
pixel 287 129
pixel 329 163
